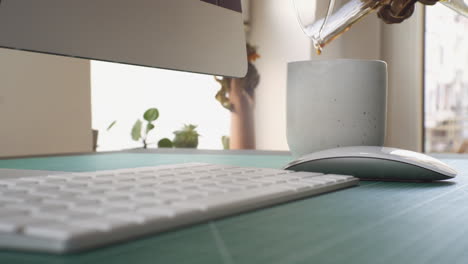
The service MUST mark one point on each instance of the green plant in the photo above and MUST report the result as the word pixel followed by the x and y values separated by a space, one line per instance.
pixel 187 137
pixel 165 143
pixel 225 140
pixel 111 125
pixel 137 133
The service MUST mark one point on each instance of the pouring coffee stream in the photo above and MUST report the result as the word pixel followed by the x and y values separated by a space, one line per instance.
pixel 340 17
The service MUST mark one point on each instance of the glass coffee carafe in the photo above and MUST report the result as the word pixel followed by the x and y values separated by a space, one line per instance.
pixel 461 6
pixel 323 21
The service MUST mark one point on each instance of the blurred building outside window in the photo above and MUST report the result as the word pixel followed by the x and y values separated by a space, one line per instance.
pixel 446 80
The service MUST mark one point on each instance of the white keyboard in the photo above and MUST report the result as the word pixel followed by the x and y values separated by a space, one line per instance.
pixel 73 212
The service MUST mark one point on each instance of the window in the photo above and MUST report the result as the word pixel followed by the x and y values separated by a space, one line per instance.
pixel 446 80
pixel 124 92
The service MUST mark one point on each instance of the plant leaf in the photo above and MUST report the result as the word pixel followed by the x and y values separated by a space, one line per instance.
pixel 111 125
pixel 165 143
pixel 151 114
pixel 136 130
pixel 149 127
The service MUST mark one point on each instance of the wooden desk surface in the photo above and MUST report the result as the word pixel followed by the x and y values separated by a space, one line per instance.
pixel 377 222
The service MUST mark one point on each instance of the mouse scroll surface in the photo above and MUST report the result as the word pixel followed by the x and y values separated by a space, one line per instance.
pixel 372 169
pixel 368 162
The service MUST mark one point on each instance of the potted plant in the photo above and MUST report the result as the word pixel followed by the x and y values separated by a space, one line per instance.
pixel 187 137
pixel 238 96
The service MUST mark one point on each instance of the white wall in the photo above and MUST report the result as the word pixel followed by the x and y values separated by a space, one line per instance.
pixel 44 104
pixel 274 29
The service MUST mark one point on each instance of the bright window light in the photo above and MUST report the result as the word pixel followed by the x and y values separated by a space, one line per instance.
pixel 446 80
pixel 124 92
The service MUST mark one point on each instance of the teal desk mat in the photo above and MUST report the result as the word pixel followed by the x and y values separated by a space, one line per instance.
pixel 93 162
pixel 377 222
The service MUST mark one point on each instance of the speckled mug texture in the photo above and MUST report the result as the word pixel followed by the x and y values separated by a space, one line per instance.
pixel 335 103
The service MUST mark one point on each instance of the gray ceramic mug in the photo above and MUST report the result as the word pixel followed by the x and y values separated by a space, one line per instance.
pixel 335 103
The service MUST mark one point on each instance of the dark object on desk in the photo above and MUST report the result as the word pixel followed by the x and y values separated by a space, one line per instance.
pixel 368 162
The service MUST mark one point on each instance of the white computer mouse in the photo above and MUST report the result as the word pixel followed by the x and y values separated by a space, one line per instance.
pixel 367 162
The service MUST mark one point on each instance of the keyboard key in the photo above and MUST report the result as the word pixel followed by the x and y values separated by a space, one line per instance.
pixel 12 212
pixel 58 231
pixel 101 223
pixel 296 186
pixel 303 174
pixel 340 178
pixel 168 211
pixel 322 180
pixel 237 198
pixel 14 224
pixel 132 217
